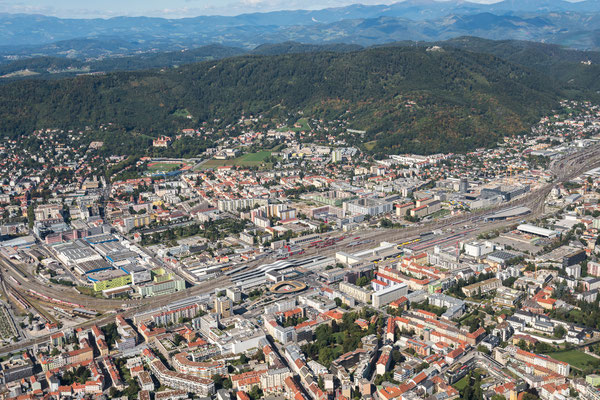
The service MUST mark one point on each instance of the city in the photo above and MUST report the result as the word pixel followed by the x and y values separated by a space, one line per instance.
pixel 311 271
pixel 300 200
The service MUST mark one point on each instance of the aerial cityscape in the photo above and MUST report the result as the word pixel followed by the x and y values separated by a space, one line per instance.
pixel 200 208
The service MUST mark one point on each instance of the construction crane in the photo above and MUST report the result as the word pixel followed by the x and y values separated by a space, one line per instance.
pixel 511 173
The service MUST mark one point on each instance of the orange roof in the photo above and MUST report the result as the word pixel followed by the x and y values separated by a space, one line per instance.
pixel 430 314
pixel 547 301
pixel 293 312
pixel 242 395
pixel 333 314
pixel 419 378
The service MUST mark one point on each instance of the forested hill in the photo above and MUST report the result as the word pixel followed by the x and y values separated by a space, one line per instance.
pixel 578 70
pixel 408 99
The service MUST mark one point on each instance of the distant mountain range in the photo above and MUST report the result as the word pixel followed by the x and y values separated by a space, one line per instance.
pixel 49 67
pixel 575 25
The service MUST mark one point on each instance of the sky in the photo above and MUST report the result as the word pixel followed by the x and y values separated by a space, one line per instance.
pixel 169 8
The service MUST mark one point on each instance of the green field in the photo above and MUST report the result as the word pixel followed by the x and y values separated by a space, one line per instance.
pixel 303 122
pixel 247 160
pixel 181 113
pixel 576 359
pixel 303 126
pixel 370 145
pixel 164 167
pixel 440 213
pixel 461 384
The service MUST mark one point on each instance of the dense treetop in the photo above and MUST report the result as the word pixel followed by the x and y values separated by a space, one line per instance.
pixel 408 99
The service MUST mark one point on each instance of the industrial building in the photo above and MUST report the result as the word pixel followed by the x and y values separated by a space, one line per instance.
pixel 536 230
pixel 76 252
pixel 109 279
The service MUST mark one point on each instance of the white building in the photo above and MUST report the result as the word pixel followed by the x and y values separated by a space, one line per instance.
pixel 574 271
pixel 386 296
pixel 478 249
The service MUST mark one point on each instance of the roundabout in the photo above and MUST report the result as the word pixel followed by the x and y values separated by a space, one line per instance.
pixel 285 287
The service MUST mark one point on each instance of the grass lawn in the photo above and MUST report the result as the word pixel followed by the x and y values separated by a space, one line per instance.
pixel 303 123
pixel 88 291
pixel 247 160
pixel 302 126
pixel 181 113
pixel 370 145
pixel 255 157
pixel 460 385
pixel 440 213
pixel 576 359
pixel 164 167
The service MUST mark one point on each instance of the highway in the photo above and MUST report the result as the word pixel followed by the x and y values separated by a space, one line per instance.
pixel 466 225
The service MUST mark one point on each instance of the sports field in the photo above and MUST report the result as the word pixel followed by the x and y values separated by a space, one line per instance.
pixel 164 166
pixel 247 160
pixel 577 359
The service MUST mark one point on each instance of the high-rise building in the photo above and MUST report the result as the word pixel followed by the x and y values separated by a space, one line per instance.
pixel 463 186
pixel 223 306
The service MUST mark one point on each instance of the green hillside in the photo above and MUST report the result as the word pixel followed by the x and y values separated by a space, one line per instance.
pixel 407 99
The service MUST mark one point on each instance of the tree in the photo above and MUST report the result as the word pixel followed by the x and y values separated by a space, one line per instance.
pixel 218 381
pixel 111 333
pixel 362 281
pixel 113 392
pixel 255 393
pixel 326 356
pixel 227 384
pixel 259 356
pixel 30 216
pixel 397 356
pixel 522 345
pixel 559 331
pixel 542 347
pixel 177 339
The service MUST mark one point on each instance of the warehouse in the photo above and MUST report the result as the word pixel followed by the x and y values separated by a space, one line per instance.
pixel 75 252
pixel 500 257
pixel 535 230
pixel 88 267
pixel 101 238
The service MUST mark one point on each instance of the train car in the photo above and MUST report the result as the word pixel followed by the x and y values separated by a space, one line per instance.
pixel 315 243
pixel 82 312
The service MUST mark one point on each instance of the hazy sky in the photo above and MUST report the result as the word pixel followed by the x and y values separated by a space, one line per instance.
pixel 169 8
